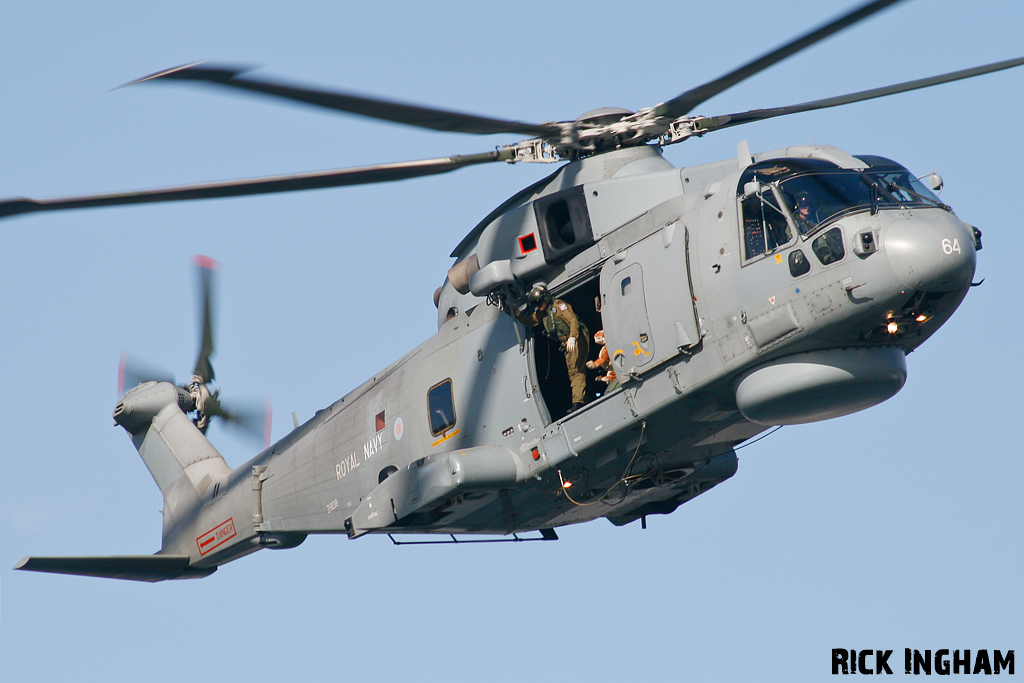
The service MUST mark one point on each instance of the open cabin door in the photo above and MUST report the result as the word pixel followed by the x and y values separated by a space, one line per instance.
pixel 647 303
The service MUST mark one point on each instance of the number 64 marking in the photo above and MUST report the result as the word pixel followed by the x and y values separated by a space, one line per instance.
pixel 949 247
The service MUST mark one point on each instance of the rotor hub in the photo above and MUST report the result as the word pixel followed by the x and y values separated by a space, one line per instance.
pixel 603 116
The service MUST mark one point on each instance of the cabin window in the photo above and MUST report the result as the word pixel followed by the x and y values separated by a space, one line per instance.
pixel 828 247
pixel 378 422
pixel 441 407
pixel 764 224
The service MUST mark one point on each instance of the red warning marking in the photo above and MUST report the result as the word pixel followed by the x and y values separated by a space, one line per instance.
pixel 205 262
pixel 120 374
pixel 216 536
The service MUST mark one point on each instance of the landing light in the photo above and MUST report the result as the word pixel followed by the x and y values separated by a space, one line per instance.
pixel 566 484
pixel 892 327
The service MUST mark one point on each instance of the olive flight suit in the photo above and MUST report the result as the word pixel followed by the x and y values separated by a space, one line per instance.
pixel 560 322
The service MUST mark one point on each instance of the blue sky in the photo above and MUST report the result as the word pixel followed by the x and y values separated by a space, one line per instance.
pixel 896 527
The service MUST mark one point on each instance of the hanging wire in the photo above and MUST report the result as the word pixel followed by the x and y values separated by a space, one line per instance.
pixel 763 436
pixel 620 480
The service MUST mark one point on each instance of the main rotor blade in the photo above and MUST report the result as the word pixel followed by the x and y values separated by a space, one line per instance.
pixel 397 112
pixel 730 120
pixel 684 103
pixel 206 270
pixel 363 175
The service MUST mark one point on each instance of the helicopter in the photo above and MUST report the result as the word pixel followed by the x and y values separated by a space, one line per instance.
pixel 704 366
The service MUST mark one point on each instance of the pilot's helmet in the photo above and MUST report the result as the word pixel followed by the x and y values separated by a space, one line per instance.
pixel 804 200
pixel 539 292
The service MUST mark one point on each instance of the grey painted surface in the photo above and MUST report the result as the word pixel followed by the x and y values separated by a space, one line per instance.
pixel 685 317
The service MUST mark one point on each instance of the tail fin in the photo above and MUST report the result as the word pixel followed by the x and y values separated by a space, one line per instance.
pixel 184 464
pixel 186 467
pixel 170 445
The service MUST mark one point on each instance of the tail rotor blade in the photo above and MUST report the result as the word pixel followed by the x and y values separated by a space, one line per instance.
pixel 206 269
pixel 132 372
pixel 251 419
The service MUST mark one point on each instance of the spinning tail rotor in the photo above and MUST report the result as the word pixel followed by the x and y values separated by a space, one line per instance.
pixel 199 395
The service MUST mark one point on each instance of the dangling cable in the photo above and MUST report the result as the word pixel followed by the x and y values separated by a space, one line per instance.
pixel 621 479
pixel 763 436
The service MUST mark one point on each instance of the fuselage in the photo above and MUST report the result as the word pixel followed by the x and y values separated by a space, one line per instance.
pixel 725 312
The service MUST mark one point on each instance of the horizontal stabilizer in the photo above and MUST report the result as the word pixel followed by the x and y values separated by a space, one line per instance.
pixel 150 568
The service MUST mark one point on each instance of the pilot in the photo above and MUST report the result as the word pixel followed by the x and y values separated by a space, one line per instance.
pixel 561 324
pixel 806 212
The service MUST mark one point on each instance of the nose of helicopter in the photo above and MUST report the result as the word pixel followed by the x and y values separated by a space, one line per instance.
pixel 931 255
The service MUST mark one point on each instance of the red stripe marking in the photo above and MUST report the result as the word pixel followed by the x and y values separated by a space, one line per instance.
pixel 120 373
pixel 267 424
pixel 205 262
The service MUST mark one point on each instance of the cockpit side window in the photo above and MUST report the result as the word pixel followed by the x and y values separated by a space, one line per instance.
pixel 764 224
pixel 798 263
pixel 769 223
pixel 441 407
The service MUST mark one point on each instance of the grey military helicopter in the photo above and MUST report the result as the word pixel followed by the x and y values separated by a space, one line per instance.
pixel 776 288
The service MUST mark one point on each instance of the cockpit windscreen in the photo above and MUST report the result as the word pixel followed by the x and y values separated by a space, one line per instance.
pixel 818 192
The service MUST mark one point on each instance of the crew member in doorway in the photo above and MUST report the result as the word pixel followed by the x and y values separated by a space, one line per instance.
pixel 603 362
pixel 561 324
